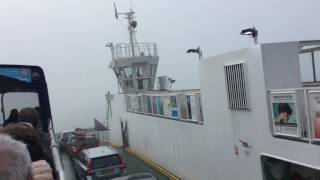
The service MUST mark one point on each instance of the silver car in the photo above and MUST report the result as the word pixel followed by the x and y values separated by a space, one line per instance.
pixel 99 163
pixel 138 176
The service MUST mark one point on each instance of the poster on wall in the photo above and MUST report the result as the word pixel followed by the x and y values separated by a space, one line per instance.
pixel 174 107
pixel 166 105
pixel 285 117
pixel 183 106
pixel 149 105
pixel 314 107
pixel 139 104
pixel 159 105
pixel 154 104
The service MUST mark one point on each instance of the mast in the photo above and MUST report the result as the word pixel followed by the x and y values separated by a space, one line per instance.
pixel 134 64
pixel 131 29
pixel 132 24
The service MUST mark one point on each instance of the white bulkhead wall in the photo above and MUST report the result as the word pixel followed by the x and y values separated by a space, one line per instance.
pixel 118 114
pixel 268 66
pixel 281 65
pixel 226 127
pixel 205 152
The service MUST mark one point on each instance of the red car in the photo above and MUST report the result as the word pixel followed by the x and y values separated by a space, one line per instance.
pixel 80 143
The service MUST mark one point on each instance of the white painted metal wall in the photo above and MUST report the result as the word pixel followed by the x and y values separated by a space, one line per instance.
pixel 118 113
pixel 193 151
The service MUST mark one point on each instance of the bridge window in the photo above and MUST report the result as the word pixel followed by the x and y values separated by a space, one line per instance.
pixel 306 67
pixel 154 105
pixel 184 107
pixel 310 66
pixel 127 72
pixel 18 101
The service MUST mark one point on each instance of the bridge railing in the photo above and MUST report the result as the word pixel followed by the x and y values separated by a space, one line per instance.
pixel 123 50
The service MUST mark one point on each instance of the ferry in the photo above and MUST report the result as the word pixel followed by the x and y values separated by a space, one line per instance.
pixel 255 116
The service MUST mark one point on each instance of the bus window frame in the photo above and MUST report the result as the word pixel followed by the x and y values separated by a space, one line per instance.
pixel 37 85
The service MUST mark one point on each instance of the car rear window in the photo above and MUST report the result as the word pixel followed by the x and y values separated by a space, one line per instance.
pixel 66 135
pixel 106 161
pixel 140 177
pixel 87 142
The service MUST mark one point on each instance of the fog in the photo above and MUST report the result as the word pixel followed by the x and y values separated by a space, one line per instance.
pixel 67 39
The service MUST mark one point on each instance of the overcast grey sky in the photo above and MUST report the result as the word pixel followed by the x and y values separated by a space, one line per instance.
pixel 67 38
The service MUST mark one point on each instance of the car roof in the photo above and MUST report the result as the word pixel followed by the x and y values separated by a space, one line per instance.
pixel 99 151
pixel 136 176
pixel 66 131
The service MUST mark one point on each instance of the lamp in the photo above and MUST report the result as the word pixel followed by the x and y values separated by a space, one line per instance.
pixel 198 51
pixel 109 45
pixel 253 32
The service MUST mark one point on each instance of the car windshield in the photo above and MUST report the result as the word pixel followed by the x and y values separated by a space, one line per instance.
pixel 106 161
pixel 66 135
pixel 141 177
pixel 87 142
pixel 13 102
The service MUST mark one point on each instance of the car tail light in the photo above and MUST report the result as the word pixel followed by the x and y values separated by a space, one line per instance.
pixel 89 170
pixel 122 164
pixel 74 150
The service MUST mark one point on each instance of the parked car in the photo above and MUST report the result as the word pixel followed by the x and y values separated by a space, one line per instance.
pixel 138 176
pixel 79 143
pixel 63 138
pixel 99 163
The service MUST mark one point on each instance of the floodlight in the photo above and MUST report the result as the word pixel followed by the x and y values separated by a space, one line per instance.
pixel 253 32
pixel 109 45
pixel 197 51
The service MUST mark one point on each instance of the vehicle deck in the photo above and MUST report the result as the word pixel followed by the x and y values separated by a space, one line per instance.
pixel 134 165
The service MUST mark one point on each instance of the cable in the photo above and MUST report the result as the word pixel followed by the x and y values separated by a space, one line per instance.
pixel 124 29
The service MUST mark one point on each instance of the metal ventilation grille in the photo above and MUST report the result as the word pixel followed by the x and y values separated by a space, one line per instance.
pixel 236 86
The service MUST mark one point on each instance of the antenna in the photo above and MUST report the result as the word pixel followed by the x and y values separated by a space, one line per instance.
pixel 131 5
pixel 132 24
pixel 115 10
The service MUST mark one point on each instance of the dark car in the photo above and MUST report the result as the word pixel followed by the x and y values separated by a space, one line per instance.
pixel 64 138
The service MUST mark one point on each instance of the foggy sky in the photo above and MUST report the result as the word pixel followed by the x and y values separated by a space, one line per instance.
pixel 67 38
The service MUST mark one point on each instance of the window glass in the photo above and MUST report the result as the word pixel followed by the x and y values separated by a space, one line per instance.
pixel 183 106
pixel 191 105
pixel 18 101
pixel 174 107
pixel 106 161
pixel 139 104
pixel 154 105
pixel 306 69
pixel 159 105
pixel 140 83
pixel 127 72
pixel 166 106
pixel 149 105
pixel 278 169
pixel 83 159
pixel 87 142
pixel 317 64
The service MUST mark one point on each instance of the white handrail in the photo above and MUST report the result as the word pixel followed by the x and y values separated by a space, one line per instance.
pixel 56 156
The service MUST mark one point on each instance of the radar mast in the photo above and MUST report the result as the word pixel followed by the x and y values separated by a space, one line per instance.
pixel 134 64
